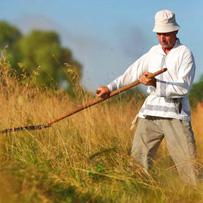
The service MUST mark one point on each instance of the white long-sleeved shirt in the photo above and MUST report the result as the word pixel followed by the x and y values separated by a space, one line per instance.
pixel 169 99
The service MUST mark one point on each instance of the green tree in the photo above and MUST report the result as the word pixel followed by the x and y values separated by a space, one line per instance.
pixel 40 58
pixel 196 92
pixel 43 58
pixel 9 35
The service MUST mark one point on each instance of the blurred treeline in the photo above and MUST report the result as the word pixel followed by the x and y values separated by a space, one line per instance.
pixel 196 92
pixel 39 58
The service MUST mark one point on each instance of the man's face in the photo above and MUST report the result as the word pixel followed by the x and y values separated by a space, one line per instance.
pixel 167 40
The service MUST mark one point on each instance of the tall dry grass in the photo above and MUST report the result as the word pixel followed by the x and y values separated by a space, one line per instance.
pixel 84 158
pixel 197 120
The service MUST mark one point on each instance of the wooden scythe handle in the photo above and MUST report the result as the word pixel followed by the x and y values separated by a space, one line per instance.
pixel 82 107
pixel 99 100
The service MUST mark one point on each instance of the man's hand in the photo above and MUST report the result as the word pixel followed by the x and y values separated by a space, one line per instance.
pixel 103 92
pixel 147 79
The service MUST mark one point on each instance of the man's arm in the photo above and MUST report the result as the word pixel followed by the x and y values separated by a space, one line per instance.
pixel 130 75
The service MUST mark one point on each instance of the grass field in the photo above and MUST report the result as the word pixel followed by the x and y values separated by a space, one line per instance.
pixel 84 158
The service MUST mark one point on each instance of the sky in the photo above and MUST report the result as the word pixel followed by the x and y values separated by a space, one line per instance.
pixel 106 36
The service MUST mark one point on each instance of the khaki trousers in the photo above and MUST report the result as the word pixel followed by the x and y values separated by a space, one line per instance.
pixel 179 139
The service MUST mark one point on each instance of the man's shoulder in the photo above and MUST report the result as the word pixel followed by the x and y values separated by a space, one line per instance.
pixel 155 48
pixel 184 49
pixel 183 46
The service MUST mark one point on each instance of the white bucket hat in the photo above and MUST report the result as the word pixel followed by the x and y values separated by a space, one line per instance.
pixel 165 22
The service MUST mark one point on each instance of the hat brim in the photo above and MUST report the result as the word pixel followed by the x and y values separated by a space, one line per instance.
pixel 165 28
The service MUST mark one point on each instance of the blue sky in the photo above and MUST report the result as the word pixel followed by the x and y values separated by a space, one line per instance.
pixel 106 36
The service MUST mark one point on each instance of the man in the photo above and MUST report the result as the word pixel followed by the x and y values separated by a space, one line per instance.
pixel 166 111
